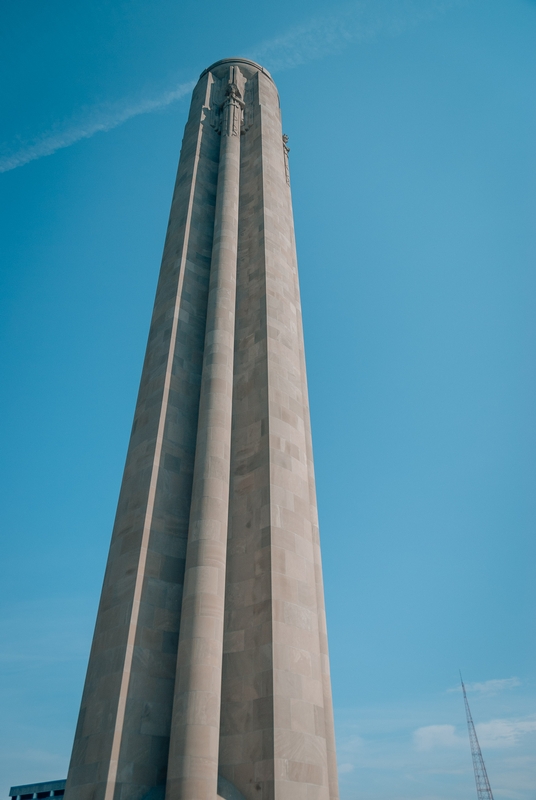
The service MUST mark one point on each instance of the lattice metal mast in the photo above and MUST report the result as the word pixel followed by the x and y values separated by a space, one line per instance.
pixel 483 789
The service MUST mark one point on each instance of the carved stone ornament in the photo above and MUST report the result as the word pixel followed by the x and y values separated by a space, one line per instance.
pixel 232 111
pixel 286 151
pixel 228 107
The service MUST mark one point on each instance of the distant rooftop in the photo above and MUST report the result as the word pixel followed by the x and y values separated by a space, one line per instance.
pixel 31 791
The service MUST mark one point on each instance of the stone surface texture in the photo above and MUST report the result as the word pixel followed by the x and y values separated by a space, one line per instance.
pixel 209 665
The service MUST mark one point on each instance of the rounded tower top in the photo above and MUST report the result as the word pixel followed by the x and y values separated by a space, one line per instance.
pixel 237 60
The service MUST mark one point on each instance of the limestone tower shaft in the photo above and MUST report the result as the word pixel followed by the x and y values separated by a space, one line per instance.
pixel 208 674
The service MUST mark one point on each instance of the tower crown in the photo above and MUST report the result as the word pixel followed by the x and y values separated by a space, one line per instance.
pixel 246 62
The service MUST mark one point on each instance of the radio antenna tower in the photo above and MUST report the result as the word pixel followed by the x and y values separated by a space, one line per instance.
pixel 483 789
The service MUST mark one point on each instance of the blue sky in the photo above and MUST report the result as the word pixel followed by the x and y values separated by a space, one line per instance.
pixel 412 131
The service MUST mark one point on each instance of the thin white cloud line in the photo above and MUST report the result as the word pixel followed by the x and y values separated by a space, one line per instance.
pixel 495 734
pixel 102 121
pixel 318 37
pixel 489 687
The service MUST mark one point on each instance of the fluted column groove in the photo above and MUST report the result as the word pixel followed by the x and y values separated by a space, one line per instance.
pixel 193 759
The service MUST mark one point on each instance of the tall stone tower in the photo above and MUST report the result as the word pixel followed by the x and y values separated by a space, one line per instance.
pixel 208 674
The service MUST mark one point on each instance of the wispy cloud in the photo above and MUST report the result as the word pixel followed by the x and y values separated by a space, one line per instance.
pixel 316 38
pixel 432 736
pixel 328 34
pixel 490 687
pixel 394 750
pixel 497 733
pixel 98 119
pixel 504 732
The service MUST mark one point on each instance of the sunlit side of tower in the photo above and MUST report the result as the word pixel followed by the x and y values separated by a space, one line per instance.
pixel 209 673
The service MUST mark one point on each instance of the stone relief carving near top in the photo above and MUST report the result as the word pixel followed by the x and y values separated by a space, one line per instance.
pixel 232 111
pixel 286 151
pixel 230 115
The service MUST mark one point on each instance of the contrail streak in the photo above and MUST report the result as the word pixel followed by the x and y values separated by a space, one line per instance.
pixel 318 37
pixel 99 120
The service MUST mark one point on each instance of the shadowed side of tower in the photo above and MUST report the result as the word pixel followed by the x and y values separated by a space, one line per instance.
pixel 210 653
